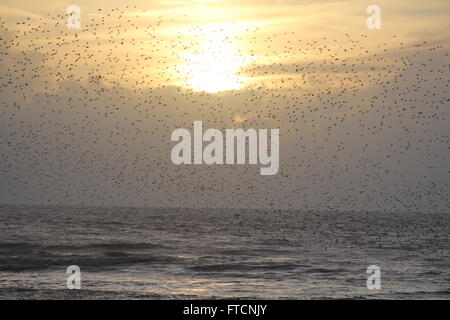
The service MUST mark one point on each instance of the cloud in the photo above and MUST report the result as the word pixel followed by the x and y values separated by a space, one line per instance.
pixel 86 119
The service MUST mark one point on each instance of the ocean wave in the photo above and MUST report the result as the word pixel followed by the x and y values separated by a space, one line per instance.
pixel 243 267
pixel 99 246
pixel 100 261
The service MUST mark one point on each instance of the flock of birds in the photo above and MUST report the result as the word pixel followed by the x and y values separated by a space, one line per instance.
pixel 86 117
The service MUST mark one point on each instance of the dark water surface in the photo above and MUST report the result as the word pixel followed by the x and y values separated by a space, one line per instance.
pixel 141 253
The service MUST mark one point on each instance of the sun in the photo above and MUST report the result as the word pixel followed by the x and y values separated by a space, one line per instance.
pixel 213 73
pixel 214 68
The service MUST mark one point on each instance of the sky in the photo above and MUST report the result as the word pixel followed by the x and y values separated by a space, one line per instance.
pixel 86 115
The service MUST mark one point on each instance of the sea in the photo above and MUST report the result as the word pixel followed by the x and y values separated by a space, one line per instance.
pixel 182 253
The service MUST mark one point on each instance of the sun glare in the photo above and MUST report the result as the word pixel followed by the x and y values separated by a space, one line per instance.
pixel 215 68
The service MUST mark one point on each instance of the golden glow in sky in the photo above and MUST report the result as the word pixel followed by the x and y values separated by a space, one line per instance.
pixel 215 46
